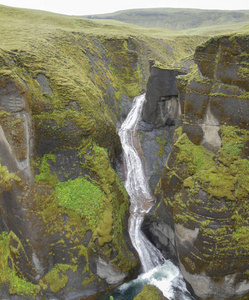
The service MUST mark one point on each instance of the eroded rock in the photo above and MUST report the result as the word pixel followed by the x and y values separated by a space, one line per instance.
pixel 201 184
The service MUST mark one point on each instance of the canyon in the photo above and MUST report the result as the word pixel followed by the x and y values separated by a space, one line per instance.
pixel 66 86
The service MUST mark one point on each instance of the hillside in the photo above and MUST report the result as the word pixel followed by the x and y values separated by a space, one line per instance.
pixel 177 18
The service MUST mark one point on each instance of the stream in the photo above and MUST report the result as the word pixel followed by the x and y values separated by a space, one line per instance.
pixel 156 270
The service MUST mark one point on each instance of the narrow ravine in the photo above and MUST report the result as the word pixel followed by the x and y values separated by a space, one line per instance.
pixel 157 271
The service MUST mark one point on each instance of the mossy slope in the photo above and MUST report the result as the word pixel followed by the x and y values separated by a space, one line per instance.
pixel 205 181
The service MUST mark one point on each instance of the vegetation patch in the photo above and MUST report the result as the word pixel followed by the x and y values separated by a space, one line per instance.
pixel 83 197
pixel 8 271
pixel 7 179
pixel 45 176
pixel 195 157
pixel 56 279
pixel 162 143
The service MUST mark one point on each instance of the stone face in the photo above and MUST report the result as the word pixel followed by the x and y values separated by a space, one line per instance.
pixel 158 226
pixel 49 247
pixel 204 184
pixel 156 145
pixel 161 105
pixel 225 59
pixel 106 271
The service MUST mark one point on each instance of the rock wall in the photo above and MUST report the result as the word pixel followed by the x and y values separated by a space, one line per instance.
pixel 63 208
pixel 59 199
pixel 204 184
pixel 160 113
pixel 161 106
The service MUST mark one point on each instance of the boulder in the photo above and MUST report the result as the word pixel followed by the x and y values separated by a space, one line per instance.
pixel 150 292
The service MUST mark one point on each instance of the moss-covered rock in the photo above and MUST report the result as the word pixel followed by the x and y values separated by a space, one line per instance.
pixel 204 184
pixel 150 292
pixel 225 59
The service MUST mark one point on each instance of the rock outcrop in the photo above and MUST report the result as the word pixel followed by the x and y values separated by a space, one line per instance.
pixel 161 107
pixel 60 198
pixel 160 112
pixel 150 292
pixel 204 184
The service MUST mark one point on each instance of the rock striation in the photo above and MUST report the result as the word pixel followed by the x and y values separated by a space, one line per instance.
pixel 203 189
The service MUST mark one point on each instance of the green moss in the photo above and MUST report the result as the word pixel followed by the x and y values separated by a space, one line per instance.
pixel 233 140
pixel 241 236
pixel 194 157
pixel 83 197
pixel 4 114
pixel 45 176
pixel 56 279
pixel 162 143
pixel 243 73
pixel 150 292
pixel 217 182
pixel 7 179
pixel 8 270
pixel 98 162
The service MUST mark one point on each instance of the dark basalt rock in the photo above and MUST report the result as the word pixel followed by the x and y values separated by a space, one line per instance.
pixel 225 59
pixel 49 248
pixel 161 105
pixel 206 203
pixel 158 226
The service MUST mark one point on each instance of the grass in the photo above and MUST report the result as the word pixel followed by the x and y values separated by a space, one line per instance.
pixel 173 19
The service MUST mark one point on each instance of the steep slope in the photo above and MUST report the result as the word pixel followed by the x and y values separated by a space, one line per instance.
pixel 202 216
pixel 65 83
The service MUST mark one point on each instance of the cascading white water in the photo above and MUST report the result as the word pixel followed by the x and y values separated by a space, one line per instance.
pixel 166 276
pixel 137 188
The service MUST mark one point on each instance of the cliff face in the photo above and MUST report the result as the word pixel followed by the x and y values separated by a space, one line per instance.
pixel 203 189
pixel 60 196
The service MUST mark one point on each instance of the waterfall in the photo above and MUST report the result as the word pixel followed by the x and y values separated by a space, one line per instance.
pixel 137 187
pixel 158 271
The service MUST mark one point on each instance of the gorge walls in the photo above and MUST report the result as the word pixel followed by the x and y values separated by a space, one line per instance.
pixel 201 218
